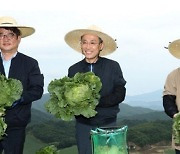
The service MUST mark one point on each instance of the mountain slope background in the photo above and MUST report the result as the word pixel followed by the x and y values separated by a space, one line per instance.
pixel 146 106
pixel 152 100
pixel 133 111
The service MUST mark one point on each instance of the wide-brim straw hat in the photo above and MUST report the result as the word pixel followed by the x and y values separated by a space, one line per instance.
pixel 11 22
pixel 73 39
pixel 174 48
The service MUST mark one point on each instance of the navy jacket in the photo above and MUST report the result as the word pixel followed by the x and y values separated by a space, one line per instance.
pixel 26 70
pixel 112 93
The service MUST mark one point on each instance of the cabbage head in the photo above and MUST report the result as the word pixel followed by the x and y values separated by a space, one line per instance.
pixel 10 91
pixel 78 95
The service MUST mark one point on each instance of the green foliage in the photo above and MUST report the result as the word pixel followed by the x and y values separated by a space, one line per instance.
pixel 50 149
pixel 74 96
pixel 10 91
pixel 50 130
pixel 3 127
pixel 69 150
pixel 142 133
pixel 176 129
pixel 150 133
pixel 60 132
pixel 32 144
pixel 169 151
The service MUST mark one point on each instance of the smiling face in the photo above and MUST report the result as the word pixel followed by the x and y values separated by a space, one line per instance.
pixel 9 41
pixel 91 46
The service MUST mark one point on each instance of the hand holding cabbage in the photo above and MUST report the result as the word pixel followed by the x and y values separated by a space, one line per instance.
pixel 78 95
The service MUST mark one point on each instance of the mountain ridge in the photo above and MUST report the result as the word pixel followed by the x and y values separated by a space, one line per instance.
pixel 134 107
pixel 152 100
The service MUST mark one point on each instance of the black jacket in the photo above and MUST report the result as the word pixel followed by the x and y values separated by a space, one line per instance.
pixel 26 70
pixel 112 93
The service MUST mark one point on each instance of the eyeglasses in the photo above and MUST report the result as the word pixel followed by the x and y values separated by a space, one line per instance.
pixel 8 36
pixel 84 43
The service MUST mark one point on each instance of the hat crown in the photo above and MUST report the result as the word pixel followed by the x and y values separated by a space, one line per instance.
pixel 7 21
pixel 94 27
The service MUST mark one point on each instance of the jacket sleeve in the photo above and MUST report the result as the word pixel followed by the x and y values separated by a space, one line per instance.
pixel 35 85
pixel 169 105
pixel 26 69
pixel 34 92
pixel 118 92
pixel 116 97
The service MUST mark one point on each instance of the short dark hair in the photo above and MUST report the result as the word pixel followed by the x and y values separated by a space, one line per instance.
pixel 14 30
pixel 100 40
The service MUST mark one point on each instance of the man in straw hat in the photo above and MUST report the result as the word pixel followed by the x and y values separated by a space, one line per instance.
pixel 93 44
pixel 171 93
pixel 14 64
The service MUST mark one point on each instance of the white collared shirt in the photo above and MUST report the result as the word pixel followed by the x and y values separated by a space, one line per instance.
pixel 7 64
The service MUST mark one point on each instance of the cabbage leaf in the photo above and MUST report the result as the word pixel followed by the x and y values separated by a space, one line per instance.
pixel 10 91
pixel 176 129
pixel 50 149
pixel 74 96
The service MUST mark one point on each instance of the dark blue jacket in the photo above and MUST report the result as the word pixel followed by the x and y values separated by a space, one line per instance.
pixel 112 93
pixel 26 70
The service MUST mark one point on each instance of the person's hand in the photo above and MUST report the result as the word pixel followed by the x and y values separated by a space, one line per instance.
pixel 17 102
pixel 175 114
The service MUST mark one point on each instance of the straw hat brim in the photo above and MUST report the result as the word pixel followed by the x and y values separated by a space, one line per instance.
pixel 73 39
pixel 174 48
pixel 25 31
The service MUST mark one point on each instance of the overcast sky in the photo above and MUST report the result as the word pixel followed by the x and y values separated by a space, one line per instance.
pixel 142 29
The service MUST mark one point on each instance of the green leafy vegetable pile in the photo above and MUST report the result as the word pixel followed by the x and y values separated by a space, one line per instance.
pixel 51 149
pixel 176 129
pixel 10 91
pixel 78 95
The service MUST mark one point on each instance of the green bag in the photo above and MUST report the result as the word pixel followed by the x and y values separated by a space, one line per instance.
pixel 109 140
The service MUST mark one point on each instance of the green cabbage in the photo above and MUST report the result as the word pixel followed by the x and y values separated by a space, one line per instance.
pixel 51 149
pixel 10 91
pixel 78 95
pixel 176 129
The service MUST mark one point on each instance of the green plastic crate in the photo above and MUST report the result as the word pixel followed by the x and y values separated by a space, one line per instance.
pixel 109 140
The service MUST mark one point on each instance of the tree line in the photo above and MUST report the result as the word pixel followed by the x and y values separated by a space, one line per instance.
pixel 140 132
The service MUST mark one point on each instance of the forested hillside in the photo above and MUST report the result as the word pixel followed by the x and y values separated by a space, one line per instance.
pixel 144 127
pixel 50 130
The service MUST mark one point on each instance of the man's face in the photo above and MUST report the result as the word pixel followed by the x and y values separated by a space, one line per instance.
pixel 9 41
pixel 91 46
